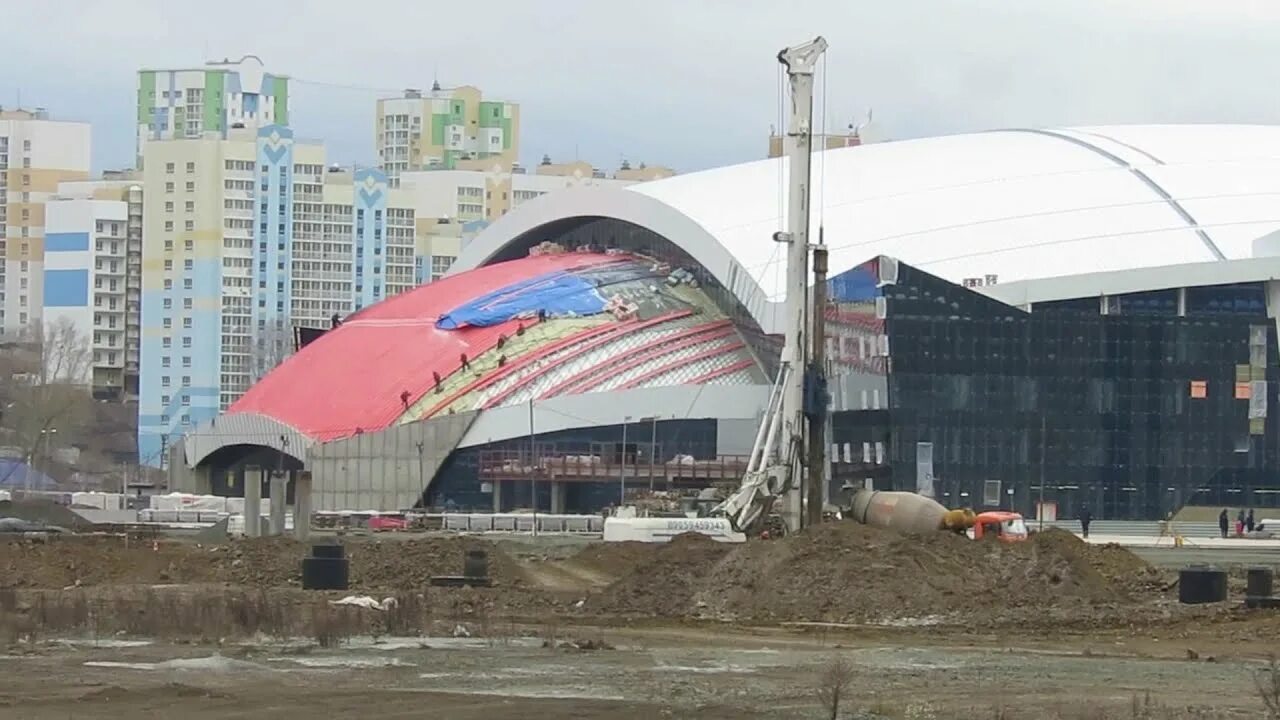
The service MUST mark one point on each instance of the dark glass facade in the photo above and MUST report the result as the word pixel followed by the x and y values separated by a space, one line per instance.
pixel 1134 413
pixel 459 485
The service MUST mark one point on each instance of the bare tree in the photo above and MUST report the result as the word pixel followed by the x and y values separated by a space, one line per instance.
pixel 833 684
pixel 45 388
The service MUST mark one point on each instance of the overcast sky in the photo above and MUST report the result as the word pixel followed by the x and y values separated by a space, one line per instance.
pixel 686 83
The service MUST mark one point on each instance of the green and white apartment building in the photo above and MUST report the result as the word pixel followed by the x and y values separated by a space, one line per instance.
pixel 215 98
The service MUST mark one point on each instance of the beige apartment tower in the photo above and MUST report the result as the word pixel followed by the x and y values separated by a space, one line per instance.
pixel 436 130
pixel 36 153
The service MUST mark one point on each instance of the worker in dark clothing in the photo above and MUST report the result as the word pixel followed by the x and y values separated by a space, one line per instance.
pixel 1248 521
pixel 1240 523
pixel 1086 517
pixel 1223 521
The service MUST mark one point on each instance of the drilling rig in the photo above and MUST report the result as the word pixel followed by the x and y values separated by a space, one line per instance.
pixel 776 470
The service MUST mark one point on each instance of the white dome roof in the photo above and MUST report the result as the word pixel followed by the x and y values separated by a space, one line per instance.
pixel 1017 204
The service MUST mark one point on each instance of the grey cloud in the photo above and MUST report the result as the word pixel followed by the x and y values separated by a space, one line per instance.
pixel 682 82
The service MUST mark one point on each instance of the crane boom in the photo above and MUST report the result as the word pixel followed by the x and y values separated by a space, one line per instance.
pixel 780 442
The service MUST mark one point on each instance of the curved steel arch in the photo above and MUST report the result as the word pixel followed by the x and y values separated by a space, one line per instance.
pixel 1146 179
pixel 244 429
pixel 627 206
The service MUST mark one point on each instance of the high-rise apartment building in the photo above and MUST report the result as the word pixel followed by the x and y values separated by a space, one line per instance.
pixel 93 277
pixel 439 129
pixel 485 190
pixel 247 238
pixel 36 153
pixel 216 98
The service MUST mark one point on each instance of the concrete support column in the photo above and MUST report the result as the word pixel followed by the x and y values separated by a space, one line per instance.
pixel 497 496
pixel 557 497
pixel 204 480
pixel 302 506
pixel 1273 302
pixel 253 501
pixel 279 501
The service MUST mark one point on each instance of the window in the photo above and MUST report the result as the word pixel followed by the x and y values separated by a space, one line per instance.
pixel 168 168
pixel 164 361
pixel 186 303
pixel 166 342
pixel 186 361
pixel 191 186
pixel 164 381
pixel 168 226
pixel 168 303
pixel 186 283
pixel 186 342
pixel 188 244
pixel 1248 299
pixel 164 399
pixel 186 379
pixel 191 167
pixel 190 206
pixel 1199 389
pixel 168 284
pixel 187 264
pixel 167 322
pixel 186 323
pixel 168 264
pixel 186 400
pixel 190 225
pixel 168 187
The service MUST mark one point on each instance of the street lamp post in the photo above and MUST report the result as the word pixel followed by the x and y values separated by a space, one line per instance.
pixel 653 448
pixel 39 455
pixel 622 470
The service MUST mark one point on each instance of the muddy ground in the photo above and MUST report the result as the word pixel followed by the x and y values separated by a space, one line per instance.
pixel 693 673
pixel 115 627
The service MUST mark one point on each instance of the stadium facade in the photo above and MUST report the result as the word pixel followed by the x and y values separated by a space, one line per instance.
pixel 1086 313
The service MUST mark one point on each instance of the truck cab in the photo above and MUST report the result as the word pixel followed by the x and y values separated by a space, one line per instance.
pixel 1005 526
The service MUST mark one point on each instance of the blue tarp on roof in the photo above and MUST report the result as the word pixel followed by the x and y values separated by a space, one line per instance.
pixel 16 474
pixel 560 294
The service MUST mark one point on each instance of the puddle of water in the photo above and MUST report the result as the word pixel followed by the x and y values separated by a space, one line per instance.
pixel 555 693
pixel 704 669
pixel 105 643
pixel 121 665
pixel 911 622
pixel 213 663
pixel 440 643
pixel 344 662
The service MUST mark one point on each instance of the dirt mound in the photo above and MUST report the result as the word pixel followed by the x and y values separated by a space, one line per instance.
pixel 1116 568
pixel 661 580
pixel 846 572
pixel 261 563
pixel 45 513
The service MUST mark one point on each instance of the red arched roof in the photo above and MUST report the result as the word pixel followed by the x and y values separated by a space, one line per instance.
pixel 352 377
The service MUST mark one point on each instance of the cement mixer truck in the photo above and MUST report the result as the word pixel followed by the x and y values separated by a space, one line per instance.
pixel 916 514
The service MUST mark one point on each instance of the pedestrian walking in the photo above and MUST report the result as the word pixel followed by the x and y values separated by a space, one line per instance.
pixel 1223 521
pixel 1240 523
pixel 1086 517
pixel 1248 521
